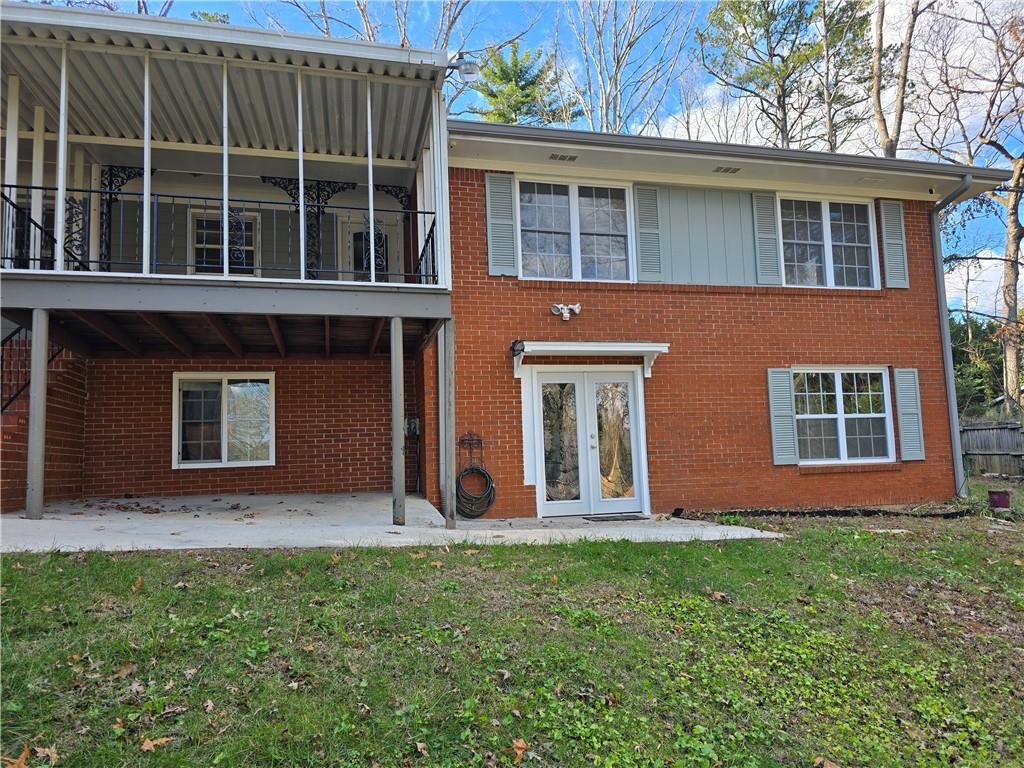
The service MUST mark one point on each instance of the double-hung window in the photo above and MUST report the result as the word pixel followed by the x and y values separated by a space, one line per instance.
pixel 574 231
pixel 207 243
pixel 828 243
pixel 223 420
pixel 843 416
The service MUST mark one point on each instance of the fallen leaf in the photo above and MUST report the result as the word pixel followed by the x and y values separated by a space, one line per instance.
pixel 417 555
pixel 421 748
pixel 208 705
pixel 554 579
pixel 1018 563
pixel 150 745
pixel 124 670
pixel 719 596
pixel 519 746
pixel 50 753
pixel 136 585
pixel 471 552
pixel 188 674
pixel 294 685
pixel 824 762
pixel 118 727
pixel 21 761
pixel 18 567
pixel 436 564
pixel 505 674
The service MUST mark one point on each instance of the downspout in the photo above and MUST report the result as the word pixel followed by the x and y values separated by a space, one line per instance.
pixel 959 476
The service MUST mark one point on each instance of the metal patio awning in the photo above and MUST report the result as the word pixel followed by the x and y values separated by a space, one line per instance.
pixel 106 70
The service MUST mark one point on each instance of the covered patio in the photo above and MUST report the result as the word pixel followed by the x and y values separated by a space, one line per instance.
pixel 312 520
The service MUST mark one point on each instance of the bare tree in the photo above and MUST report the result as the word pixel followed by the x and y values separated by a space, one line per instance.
pixel 889 136
pixel 141 7
pixel 843 68
pixel 626 59
pixel 971 112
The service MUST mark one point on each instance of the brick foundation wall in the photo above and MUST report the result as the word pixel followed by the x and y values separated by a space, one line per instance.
pixel 333 431
pixel 708 432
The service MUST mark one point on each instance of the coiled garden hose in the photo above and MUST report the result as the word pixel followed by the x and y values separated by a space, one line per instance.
pixel 469 504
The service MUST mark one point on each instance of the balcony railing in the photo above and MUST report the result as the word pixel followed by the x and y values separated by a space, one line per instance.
pixel 104 233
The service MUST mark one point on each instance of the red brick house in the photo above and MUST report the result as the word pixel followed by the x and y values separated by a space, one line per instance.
pixel 626 325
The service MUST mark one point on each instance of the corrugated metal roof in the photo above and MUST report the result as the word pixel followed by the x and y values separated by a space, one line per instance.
pixel 106 86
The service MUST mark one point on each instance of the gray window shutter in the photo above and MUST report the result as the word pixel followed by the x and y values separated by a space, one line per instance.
pixel 908 410
pixel 766 239
pixel 651 241
pixel 894 244
pixel 783 415
pixel 501 224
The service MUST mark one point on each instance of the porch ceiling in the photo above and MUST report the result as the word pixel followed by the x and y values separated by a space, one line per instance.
pixel 106 65
pixel 191 334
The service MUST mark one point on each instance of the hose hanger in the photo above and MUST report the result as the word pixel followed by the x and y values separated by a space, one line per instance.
pixel 467 503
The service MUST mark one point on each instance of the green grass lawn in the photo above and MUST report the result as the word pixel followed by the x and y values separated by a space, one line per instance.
pixel 869 649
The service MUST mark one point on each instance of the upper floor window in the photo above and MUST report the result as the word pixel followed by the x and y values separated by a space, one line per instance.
pixel 574 231
pixel 207 249
pixel 828 243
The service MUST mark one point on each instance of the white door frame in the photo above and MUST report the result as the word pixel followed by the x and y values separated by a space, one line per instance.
pixel 533 432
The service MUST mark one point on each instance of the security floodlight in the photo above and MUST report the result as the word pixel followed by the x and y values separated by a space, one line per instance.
pixel 469 70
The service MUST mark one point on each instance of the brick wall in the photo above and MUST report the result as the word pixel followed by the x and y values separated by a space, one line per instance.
pixel 708 432
pixel 65 423
pixel 333 431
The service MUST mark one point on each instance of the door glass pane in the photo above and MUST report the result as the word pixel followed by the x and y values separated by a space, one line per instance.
pixel 248 422
pixel 561 449
pixel 615 444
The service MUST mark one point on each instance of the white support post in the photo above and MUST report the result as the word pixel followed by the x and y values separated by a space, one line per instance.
pixel 442 232
pixel 147 169
pixel 95 180
pixel 60 204
pixel 36 208
pixel 224 232
pixel 397 424
pixel 301 202
pixel 36 456
pixel 372 234
pixel 11 165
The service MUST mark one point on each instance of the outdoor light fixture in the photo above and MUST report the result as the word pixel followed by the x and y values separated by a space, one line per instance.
pixel 565 309
pixel 469 70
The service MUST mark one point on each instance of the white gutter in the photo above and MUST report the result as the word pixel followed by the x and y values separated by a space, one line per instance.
pixel 959 476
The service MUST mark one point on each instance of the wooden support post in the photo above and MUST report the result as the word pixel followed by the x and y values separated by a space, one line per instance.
pixel 397 424
pixel 372 234
pixel 36 458
pixel 147 169
pixel 60 204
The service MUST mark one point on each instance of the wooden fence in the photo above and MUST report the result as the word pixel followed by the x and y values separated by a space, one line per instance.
pixel 995 448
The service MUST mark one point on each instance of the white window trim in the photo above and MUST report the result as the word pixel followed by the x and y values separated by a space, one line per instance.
pixel 574 226
pixel 841 416
pixel 178 377
pixel 214 213
pixel 830 277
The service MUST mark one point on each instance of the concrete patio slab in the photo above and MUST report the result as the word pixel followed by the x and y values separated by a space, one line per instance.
pixel 309 520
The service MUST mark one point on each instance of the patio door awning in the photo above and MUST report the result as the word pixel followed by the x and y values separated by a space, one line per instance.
pixel 646 349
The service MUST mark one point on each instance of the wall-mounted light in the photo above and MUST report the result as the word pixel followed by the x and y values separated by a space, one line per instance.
pixel 469 70
pixel 565 309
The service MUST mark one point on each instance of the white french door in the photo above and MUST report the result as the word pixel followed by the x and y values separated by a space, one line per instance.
pixel 589 443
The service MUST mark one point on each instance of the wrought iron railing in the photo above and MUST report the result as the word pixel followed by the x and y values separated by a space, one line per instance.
pixel 16 364
pixel 104 230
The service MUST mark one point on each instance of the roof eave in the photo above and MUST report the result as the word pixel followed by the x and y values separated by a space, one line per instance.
pixel 988 177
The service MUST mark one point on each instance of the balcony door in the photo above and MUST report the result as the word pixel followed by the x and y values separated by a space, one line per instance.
pixel 589 443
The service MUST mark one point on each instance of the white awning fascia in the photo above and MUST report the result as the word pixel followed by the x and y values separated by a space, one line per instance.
pixel 645 349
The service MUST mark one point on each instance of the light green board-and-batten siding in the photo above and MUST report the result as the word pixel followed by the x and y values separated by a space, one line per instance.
pixel 707 237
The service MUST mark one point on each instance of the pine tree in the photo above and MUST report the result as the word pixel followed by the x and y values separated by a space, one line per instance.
pixel 522 88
